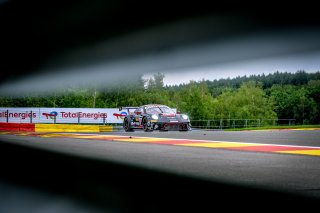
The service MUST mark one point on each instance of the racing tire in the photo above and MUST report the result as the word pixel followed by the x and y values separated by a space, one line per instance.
pixel 146 128
pixel 127 125
pixel 186 128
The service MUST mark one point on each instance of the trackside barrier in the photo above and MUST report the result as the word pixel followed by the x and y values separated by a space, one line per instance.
pixel 16 127
pixel 54 127
pixel 71 128
pixel 105 128
pixel 65 128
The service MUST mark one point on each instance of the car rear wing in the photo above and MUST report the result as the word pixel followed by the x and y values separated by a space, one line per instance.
pixel 124 108
pixel 127 108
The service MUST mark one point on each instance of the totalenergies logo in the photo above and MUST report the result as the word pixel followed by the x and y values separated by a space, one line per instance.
pixel 52 115
pixel 121 115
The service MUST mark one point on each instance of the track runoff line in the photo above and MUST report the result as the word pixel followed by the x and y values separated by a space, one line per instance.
pixel 241 146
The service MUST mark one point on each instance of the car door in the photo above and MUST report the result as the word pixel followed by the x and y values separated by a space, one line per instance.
pixel 138 114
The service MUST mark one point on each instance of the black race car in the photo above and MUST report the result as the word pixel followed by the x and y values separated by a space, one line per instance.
pixel 155 117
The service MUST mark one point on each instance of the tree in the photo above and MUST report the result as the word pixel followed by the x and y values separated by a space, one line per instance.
pixel 196 100
pixel 313 88
pixel 248 102
pixel 156 82
pixel 293 102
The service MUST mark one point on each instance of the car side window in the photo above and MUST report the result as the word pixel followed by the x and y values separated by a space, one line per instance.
pixel 138 111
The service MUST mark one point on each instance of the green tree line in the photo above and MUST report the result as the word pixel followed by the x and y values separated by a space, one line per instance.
pixel 278 95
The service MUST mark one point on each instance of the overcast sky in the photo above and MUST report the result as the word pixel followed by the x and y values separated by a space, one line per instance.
pixel 179 67
pixel 307 62
pixel 148 52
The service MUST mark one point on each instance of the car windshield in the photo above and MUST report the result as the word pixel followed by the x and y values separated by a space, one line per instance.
pixel 166 110
pixel 158 110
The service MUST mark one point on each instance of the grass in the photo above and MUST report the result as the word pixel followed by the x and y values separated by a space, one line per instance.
pixel 275 127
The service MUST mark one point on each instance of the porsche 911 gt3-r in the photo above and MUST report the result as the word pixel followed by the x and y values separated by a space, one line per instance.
pixel 155 117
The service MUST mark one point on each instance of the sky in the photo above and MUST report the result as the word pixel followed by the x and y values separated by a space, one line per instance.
pixel 255 53
pixel 207 46
pixel 176 71
pixel 307 62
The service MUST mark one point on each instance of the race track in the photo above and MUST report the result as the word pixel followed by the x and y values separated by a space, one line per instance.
pixel 286 160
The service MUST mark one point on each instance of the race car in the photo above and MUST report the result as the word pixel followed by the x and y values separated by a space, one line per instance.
pixel 155 117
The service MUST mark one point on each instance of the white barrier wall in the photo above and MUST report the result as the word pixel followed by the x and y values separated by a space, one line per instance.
pixel 61 115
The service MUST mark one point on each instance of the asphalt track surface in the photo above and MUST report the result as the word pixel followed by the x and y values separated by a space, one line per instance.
pixel 290 174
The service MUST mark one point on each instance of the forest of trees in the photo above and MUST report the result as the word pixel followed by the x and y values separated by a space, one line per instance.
pixel 277 95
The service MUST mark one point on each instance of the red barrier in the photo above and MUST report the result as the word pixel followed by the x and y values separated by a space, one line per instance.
pixel 28 127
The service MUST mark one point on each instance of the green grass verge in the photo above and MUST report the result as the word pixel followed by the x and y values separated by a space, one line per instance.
pixel 274 127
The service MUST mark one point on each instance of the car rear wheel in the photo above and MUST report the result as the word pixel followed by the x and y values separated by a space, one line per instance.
pixel 127 125
pixel 146 127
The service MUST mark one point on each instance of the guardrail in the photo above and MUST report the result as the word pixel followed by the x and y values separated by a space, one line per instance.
pixel 240 123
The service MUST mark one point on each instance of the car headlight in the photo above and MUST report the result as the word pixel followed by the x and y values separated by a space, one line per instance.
pixel 185 117
pixel 155 117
